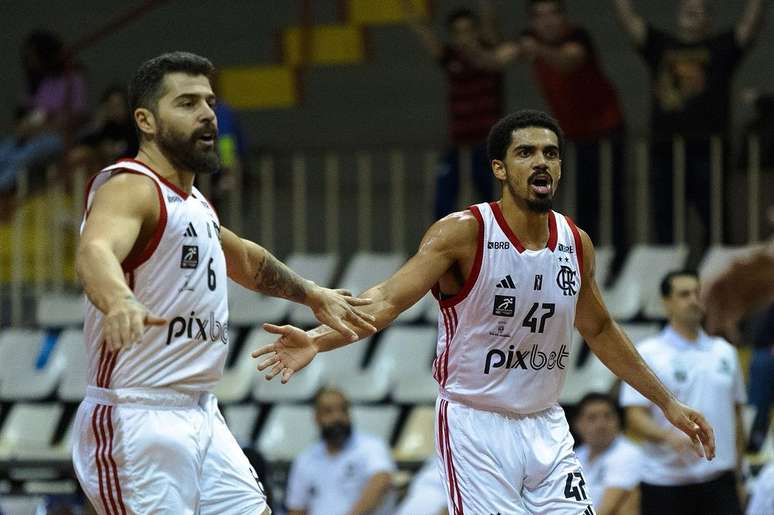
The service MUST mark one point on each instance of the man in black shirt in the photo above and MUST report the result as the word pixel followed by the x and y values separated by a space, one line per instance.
pixel 691 72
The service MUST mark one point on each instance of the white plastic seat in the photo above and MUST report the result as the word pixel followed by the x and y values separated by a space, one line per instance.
pixel 418 311
pixel 366 269
pixel 238 379
pixel 60 310
pixel 247 308
pixel 71 349
pixel 639 331
pixel 376 420
pixel 28 431
pixel 288 430
pixel 63 449
pixel 241 421
pixel 592 376
pixel 637 286
pixel 417 438
pixel 603 259
pixel 21 379
pixel 20 504
pixel 315 267
pixel 717 258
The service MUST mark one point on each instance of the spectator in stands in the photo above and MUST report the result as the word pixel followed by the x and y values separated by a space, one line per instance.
pixel 703 371
pixel 55 104
pixel 346 472
pixel 426 495
pixel 760 126
pixel 473 61
pixel 611 462
pixel 232 150
pixel 691 73
pixel 109 137
pixel 568 72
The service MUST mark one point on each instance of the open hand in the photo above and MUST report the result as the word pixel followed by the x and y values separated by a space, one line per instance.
pixel 338 310
pixel 291 352
pixel 694 425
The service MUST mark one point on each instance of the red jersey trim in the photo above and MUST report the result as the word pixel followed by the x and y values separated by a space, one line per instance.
pixel 578 242
pixel 474 271
pixel 132 262
pixel 552 233
pixel 164 180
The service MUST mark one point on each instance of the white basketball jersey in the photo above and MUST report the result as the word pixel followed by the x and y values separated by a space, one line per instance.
pixel 181 277
pixel 504 339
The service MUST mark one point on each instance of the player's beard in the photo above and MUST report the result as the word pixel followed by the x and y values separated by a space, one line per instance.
pixel 536 205
pixel 184 153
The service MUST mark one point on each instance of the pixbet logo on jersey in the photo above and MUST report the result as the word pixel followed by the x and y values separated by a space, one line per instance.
pixel 198 329
pixel 532 358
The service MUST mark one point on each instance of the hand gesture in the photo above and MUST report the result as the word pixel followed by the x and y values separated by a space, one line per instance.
pixel 125 322
pixel 336 309
pixel 291 352
pixel 693 424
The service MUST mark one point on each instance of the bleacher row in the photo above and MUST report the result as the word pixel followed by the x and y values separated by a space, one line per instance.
pixel 388 379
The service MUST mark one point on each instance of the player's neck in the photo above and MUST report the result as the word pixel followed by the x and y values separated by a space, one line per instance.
pixel 531 227
pixel 152 155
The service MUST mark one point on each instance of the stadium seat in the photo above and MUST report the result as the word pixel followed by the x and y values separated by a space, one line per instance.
pixel 241 421
pixel 418 311
pixel 375 420
pixel 28 431
pixel 718 257
pixel 366 269
pixel 315 267
pixel 247 308
pixel 238 379
pixel 591 376
pixel 603 259
pixel 20 505
pixel 60 310
pixel 63 449
pixel 72 351
pixel 408 352
pixel 639 331
pixel 30 368
pixel 637 285
pixel 417 438
pixel 288 431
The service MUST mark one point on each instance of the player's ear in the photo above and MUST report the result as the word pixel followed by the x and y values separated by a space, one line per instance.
pixel 145 120
pixel 498 169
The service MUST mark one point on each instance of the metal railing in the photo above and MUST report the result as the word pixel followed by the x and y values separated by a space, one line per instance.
pixel 345 201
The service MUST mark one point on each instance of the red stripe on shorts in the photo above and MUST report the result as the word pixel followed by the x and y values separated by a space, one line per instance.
pixel 451 460
pixel 104 436
pixel 113 462
pixel 98 457
pixel 445 455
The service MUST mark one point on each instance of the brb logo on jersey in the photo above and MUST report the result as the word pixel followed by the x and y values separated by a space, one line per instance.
pixel 530 359
pixel 200 330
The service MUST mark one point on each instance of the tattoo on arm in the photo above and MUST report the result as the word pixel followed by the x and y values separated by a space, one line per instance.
pixel 275 279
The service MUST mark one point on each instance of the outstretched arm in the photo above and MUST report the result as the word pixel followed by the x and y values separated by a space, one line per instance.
pixel 418 23
pixel 750 23
pixel 440 249
pixel 632 23
pixel 255 268
pixel 616 351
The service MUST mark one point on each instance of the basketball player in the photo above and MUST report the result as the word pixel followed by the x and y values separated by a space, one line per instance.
pixel 154 261
pixel 512 278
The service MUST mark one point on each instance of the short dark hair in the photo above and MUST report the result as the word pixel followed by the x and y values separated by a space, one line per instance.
pixel 531 4
pixel 326 390
pixel 145 86
pixel 666 282
pixel 597 397
pixel 500 135
pixel 461 14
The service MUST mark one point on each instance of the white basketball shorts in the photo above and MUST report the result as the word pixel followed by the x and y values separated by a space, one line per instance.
pixel 160 451
pixel 494 463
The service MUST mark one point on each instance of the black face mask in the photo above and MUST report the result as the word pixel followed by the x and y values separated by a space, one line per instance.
pixel 337 433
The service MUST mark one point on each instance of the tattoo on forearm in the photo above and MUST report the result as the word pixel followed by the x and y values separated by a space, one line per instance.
pixel 275 279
